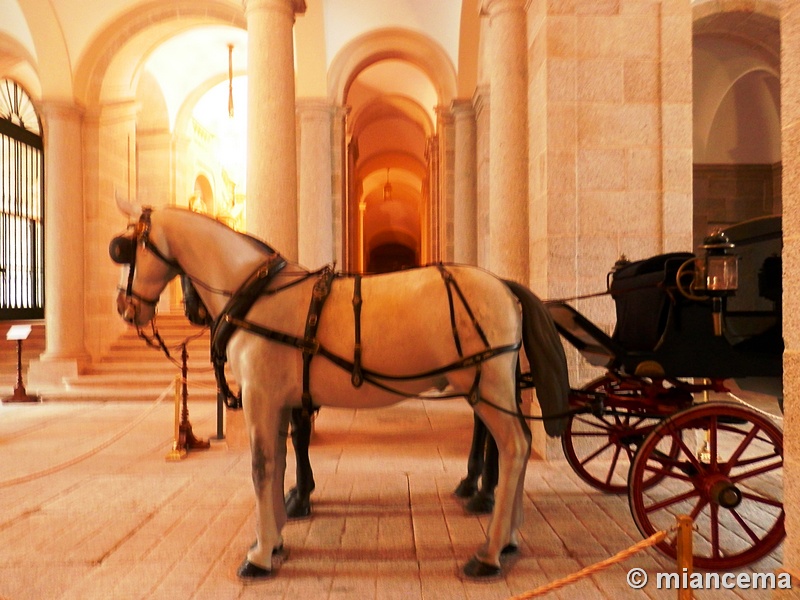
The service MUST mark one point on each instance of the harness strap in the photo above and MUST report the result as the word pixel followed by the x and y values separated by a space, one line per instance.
pixel 322 289
pixel 239 305
pixel 448 285
pixel 451 284
pixel 314 347
pixel 357 379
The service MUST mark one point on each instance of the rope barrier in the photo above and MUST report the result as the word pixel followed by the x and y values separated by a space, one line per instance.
pixel 763 413
pixel 55 469
pixel 654 539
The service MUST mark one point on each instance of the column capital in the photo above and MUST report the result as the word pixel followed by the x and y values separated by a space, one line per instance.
pixel 444 114
pixel 297 7
pixel 310 106
pixel 493 7
pixel 60 109
pixel 461 107
pixel 481 99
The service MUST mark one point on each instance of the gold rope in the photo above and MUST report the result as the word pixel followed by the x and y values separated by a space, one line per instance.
pixel 592 569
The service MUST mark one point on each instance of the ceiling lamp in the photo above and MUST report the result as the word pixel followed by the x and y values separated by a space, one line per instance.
pixel 230 80
pixel 387 188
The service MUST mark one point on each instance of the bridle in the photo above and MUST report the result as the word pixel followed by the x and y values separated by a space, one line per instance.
pixel 122 250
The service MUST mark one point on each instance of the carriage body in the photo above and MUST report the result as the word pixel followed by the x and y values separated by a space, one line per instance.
pixel 659 439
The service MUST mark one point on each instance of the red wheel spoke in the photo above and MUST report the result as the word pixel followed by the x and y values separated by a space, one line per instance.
pixel 755 472
pixel 713 443
pixel 743 444
pixel 670 501
pixel 762 499
pixel 714 517
pixel 698 508
pixel 689 454
pixel 613 466
pixel 666 471
pixel 750 533
pixel 595 454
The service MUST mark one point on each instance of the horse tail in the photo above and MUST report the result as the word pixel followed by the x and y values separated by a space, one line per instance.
pixel 546 356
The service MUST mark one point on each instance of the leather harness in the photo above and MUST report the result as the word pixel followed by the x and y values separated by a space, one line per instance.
pixel 234 317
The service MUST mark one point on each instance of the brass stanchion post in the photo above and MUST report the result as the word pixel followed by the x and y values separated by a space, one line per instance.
pixel 685 555
pixel 178 451
pixel 184 437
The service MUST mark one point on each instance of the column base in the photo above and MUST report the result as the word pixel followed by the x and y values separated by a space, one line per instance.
pixel 49 372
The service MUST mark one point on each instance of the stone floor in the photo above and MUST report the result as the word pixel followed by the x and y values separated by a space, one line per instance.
pixel 91 509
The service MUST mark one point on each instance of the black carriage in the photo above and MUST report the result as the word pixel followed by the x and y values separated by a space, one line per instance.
pixel 663 437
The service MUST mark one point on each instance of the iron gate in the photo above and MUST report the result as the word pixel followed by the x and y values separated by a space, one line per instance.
pixel 21 206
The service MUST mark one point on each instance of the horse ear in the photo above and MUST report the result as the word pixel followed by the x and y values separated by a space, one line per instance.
pixel 127 207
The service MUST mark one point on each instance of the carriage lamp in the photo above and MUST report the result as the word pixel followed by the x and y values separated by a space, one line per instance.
pixel 718 276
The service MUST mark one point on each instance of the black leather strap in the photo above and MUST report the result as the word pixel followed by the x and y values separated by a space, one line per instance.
pixel 357 378
pixel 322 289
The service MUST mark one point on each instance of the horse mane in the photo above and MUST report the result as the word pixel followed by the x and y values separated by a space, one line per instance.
pixel 259 243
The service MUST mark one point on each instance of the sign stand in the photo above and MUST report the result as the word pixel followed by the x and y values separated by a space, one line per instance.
pixel 19 333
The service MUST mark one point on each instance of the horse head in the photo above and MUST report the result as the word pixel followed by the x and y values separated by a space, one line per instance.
pixel 143 249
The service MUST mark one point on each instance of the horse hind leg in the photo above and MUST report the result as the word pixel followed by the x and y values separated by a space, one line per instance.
pixel 513 442
pixel 298 499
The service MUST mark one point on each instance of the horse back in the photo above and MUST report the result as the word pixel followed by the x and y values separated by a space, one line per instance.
pixel 413 320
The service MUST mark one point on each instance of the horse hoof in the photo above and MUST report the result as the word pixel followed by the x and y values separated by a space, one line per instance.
pixel 509 550
pixel 466 489
pixel 481 503
pixel 250 572
pixel 298 506
pixel 477 569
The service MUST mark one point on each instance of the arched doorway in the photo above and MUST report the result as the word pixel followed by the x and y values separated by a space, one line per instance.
pixel 397 87
pixel 389 163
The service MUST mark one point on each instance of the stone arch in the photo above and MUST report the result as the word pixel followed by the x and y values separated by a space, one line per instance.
pixel 111 64
pixel 16 62
pixel 386 44
pixel 736 112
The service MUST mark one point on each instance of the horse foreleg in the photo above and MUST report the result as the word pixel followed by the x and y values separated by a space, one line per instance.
pixel 268 461
pixel 298 500
pixel 469 485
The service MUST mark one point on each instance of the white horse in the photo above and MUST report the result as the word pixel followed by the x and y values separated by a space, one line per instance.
pixel 412 330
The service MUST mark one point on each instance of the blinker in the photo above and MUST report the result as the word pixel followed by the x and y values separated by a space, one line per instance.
pixel 122 250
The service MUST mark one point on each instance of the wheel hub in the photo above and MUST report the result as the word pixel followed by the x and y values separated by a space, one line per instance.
pixel 725 494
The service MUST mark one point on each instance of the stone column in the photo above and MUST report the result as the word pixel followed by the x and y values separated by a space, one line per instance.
pixel 65 352
pixel 465 196
pixel 443 221
pixel 271 140
pixel 790 147
pixel 315 205
pixel 508 174
pixel 482 101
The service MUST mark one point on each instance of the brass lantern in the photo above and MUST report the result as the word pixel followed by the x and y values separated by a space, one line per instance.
pixel 718 275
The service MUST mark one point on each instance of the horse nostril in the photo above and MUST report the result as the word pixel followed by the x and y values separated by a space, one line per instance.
pixel 129 314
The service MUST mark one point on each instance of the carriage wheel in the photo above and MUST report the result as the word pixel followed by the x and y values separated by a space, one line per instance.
pixel 727 476
pixel 601 449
